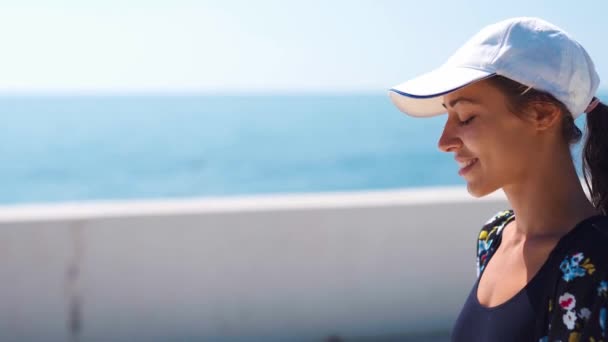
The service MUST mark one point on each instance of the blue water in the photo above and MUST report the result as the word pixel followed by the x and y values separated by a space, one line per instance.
pixel 125 147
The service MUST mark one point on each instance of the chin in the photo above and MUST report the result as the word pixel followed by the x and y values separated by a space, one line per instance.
pixel 479 190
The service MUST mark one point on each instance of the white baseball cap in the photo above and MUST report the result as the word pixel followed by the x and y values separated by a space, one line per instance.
pixel 530 51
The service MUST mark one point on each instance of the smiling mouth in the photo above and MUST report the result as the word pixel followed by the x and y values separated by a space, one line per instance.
pixel 466 166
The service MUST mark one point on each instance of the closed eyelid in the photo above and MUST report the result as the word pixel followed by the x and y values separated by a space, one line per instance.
pixel 466 121
pixel 463 116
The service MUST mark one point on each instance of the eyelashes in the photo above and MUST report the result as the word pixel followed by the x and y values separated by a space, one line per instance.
pixel 467 121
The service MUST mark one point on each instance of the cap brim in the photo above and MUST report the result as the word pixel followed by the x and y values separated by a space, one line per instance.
pixel 422 96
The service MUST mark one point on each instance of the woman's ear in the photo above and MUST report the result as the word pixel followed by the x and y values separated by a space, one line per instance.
pixel 544 114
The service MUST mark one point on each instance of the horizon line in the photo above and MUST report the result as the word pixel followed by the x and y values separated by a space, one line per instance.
pixel 201 92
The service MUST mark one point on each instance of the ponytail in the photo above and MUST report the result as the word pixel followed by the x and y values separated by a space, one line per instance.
pixel 595 156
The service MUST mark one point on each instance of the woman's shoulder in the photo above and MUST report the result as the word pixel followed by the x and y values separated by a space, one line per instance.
pixel 497 221
pixel 587 246
pixel 488 237
pixel 494 226
pixel 580 301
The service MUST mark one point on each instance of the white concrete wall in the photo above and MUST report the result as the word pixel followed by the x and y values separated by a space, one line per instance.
pixel 277 268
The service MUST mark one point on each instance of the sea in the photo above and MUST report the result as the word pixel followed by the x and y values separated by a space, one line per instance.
pixel 66 148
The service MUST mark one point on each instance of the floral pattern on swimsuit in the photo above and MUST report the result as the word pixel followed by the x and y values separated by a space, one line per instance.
pixel 575 309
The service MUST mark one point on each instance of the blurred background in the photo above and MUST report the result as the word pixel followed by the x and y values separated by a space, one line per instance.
pixel 234 170
pixel 155 99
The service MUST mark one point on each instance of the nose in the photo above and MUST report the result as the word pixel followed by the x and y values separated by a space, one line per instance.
pixel 449 140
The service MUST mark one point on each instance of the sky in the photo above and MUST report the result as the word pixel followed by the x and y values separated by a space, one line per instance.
pixel 262 46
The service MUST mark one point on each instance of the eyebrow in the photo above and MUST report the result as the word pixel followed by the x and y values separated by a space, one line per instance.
pixel 458 99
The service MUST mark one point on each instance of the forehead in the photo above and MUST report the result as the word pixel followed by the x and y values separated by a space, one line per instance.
pixel 478 92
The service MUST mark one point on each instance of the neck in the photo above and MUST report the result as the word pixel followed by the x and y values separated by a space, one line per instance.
pixel 550 201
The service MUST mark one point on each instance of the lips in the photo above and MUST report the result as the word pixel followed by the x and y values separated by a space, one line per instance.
pixel 463 164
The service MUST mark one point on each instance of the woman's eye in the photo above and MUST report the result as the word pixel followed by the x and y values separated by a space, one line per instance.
pixel 467 121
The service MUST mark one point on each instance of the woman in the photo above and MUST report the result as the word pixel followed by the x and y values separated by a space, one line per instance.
pixel 511 94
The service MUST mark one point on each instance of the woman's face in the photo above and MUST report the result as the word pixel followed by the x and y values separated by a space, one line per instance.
pixel 493 146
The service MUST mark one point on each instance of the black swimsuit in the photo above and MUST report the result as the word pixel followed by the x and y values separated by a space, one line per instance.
pixel 566 300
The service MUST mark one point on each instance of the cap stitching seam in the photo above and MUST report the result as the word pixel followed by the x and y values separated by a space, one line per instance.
pixel 502 43
pixel 569 95
pixel 490 70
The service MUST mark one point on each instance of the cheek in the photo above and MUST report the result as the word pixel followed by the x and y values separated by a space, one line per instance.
pixel 505 152
pixel 473 139
pixel 489 145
